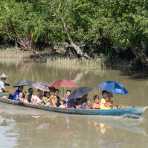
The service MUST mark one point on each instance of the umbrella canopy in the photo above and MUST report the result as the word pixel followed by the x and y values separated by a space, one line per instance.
pixel 23 83
pixel 41 86
pixel 44 83
pixel 64 84
pixel 79 92
pixel 113 87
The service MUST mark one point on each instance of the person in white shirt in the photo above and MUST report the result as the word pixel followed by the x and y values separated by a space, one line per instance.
pixel 3 78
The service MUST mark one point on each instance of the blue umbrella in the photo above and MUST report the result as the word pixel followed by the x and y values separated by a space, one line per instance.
pixel 113 87
pixel 79 92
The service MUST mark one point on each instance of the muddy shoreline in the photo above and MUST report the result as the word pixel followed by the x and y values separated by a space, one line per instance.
pixel 15 55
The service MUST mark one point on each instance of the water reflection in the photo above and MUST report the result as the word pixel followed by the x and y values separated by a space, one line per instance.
pixel 7 136
pixel 70 131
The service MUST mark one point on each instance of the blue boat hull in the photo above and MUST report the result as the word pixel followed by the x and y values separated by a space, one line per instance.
pixel 126 111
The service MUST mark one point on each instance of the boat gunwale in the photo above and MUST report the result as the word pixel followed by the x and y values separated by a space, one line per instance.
pixel 116 111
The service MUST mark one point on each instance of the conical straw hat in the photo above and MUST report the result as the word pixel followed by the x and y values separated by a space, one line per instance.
pixel 3 75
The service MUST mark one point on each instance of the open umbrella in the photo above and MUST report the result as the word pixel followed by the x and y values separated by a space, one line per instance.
pixel 64 84
pixel 44 83
pixel 113 87
pixel 41 86
pixel 79 92
pixel 23 83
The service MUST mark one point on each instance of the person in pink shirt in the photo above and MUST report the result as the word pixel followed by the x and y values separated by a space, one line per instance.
pixel 37 99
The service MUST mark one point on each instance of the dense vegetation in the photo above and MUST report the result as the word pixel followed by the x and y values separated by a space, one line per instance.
pixel 116 28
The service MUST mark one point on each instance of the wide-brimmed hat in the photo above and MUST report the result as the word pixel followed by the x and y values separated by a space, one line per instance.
pixel 3 75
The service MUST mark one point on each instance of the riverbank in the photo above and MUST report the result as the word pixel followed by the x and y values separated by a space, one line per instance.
pixel 59 60
pixel 15 55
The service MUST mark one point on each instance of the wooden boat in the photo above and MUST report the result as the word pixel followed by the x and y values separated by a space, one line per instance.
pixel 132 112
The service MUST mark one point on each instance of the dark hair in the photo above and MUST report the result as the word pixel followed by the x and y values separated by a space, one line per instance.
pixel 68 90
pixel 57 90
pixel 30 90
pixel 104 91
pixel 95 97
pixel 46 93
pixel 52 89
pixel 30 93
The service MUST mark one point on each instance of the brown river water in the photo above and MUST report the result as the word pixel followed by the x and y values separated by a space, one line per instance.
pixel 29 128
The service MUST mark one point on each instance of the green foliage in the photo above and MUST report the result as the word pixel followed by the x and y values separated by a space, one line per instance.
pixel 124 23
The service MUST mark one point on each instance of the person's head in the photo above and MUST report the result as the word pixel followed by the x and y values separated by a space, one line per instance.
pixel 96 98
pixel 30 90
pixel 84 98
pixel 20 88
pixel 46 94
pixel 56 92
pixel 105 94
pixel 40 93
pixel 52 92
pixel 30 93
pixel 3 77
pixel 68 92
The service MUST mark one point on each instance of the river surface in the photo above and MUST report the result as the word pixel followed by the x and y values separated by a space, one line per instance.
pixel 29 128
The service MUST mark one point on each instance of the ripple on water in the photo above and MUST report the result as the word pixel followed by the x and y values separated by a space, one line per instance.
pixel 8 136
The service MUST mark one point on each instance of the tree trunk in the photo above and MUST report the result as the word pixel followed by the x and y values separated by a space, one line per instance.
pixel 72 44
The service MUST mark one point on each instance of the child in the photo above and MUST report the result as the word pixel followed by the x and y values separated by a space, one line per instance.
pixel 96 104
pixel 68 92
pixel 106 102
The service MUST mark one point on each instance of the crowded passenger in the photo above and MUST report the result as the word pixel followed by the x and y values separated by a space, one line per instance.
pixel 53 98
pixel 58 97
pixel 96 104
pixel 29 95
pixel 37 99
pixel 62 104
pixel 46 98
pixel 18 94
pixel 68 92
pixel 23 98
pixel 105 101
pixel 79 103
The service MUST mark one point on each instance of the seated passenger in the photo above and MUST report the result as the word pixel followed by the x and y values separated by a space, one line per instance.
pixel 37 99
pixel 29 95
pixel 106 102
pixel 82 102
pixel 23 99
pixel 96 104
pixel 17 95
pixel 58 97
pixel 68 92
pixel 53 99
pixel 46 98
pixel 62 104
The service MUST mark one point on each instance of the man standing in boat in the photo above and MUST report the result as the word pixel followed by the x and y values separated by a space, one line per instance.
pixel 3 79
